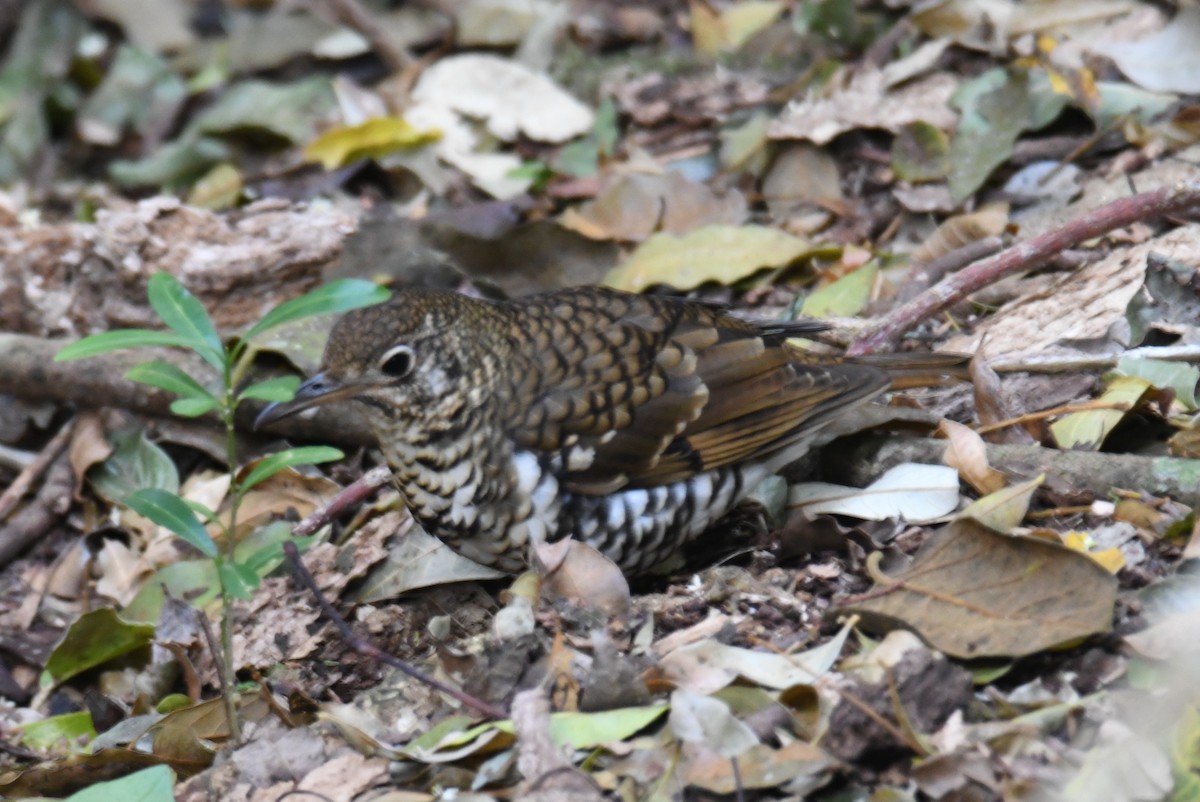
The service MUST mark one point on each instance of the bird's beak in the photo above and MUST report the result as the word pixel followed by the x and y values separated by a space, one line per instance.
pixel 320 389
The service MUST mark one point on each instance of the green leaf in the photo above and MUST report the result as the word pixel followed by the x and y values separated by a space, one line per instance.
pixel 164 375
pixel 135 463
pixel 153 784
pixel 239 580
pixel 68 729
pixel 193 407
pixel 337 296
pixel 281 388
pixel 183 313
pixel 273 464
pixel 170 511
pixel 93 640
pixel 116 341
pixel 845 297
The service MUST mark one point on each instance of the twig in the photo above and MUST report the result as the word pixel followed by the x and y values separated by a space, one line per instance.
pixel 365 647
pixel 921 275
pixel 20 486
pixel 35 519
pixel 1176 198
pixel 351 14
pixel 347 497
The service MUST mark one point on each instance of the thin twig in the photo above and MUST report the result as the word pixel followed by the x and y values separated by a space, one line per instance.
pixel 365 647
pixel 215 651
pixel 921 275
pixel 351 14
pixel 1176 198
pixel 347 497
pixel 20 486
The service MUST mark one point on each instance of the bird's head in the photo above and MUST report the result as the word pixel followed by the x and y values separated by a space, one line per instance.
pixel 422 359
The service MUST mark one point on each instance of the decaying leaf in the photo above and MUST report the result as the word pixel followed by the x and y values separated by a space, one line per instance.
pixel 972 593
pixel 707 665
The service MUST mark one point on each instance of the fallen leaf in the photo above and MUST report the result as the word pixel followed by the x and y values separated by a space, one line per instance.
pixel 380 136
pixel 708 665
pixel 1168 61
pixel 587 578
pixel 909 491
pixel 967 453
pixel 94 639
pixel 511 99
pixel 845 297
pixel 1088 429
pixel 1004 509
pixel 971 592
pixel 703 719
pixel 723 254
pixel 862 99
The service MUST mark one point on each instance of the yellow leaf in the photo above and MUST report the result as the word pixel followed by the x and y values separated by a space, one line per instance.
pixel 844 297
pixel 713 253
pixel 1112 559
pixel 376 137
pixel 742 21
pixel 1004 509
pixel 1088 429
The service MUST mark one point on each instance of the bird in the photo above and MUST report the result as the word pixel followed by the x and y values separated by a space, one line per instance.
pixel 629 422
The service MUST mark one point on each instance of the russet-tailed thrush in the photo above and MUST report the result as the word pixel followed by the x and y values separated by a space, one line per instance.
pixel 628 422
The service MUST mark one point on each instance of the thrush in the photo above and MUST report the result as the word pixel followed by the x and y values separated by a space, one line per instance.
pixel 629 422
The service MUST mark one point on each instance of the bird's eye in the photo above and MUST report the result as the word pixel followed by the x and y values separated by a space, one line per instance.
pixel 397 361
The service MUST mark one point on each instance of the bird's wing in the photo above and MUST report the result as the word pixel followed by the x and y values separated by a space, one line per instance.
pixel 641 391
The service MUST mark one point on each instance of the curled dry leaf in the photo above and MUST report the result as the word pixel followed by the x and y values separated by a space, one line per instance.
pixel 966 453
pixel 88 445
pixel 962 229
pixel 972 593
pixel 587 578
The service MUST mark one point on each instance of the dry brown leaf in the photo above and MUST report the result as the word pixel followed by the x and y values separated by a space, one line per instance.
pixel 963 229
pixel 88 446
pixel 587 578
pixel 972 593
pixel 865 101
pixel 966 453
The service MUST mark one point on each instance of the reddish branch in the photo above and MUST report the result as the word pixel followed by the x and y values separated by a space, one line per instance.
pixel 1023 256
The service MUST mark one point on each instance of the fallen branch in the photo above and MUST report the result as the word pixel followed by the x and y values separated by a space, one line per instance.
pixel 860 461
pixel 1024 256
pixel 32 472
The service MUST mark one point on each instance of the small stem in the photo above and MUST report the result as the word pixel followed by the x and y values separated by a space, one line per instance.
pixel 228 406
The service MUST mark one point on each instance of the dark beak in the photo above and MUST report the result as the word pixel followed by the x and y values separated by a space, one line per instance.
pixel 320 389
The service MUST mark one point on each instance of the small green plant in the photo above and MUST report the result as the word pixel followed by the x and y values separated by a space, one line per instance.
pixel 190 327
